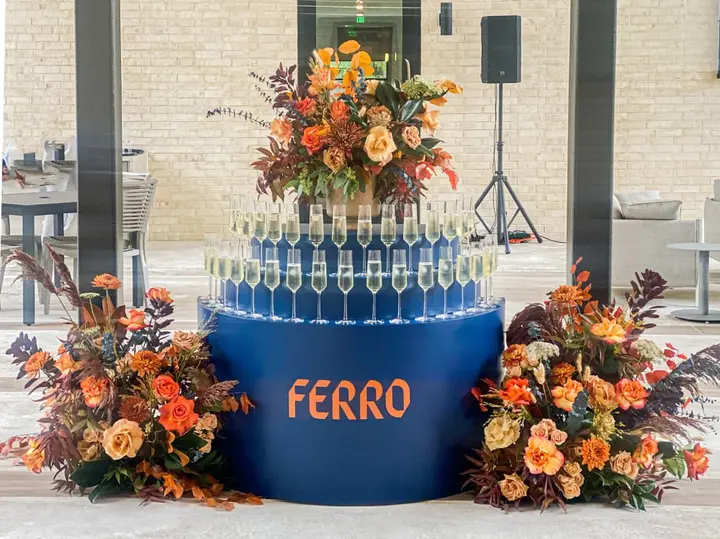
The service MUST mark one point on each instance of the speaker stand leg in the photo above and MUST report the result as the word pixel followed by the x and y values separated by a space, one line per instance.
pixel 521 209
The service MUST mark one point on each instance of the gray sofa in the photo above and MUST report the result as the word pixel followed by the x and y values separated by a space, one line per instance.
pixel 641 243
pixel 711 221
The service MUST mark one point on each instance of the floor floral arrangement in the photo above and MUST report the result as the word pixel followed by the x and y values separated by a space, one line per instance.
pixel 129 407
pixel 588 409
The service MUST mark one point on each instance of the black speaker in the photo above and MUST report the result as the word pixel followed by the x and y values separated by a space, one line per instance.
pixel 501 49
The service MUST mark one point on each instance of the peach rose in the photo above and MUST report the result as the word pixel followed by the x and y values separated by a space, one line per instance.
pixel 541 456
pixel 123 439
pixel 623 464
pixel 178 415
pixel 569 486
pixel 281 130
pixel 165 387
pixel 602 394
pixel 93 390
pixel 572 469
pixel 380 145
pixel 106 281
pixel 543 429
pixel 314 138
pixel 513 488
pixel 565 395
pixel 411 136
pixel 159 295
pixel 631 393
pixel 36 362
pixel 558 437
pixel 645 453
pixel 185 340
pixel 501 431
pixel 134 321
pixel 339 111
pixel 334 158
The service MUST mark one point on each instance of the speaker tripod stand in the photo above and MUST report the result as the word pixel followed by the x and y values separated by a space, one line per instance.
pixel 500 184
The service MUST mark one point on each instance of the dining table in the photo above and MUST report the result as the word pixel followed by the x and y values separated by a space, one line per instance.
pixel 28 206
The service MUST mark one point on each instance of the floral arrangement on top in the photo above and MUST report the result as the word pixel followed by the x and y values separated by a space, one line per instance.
pixel 587 409
pixel 128 407
pixel 349 135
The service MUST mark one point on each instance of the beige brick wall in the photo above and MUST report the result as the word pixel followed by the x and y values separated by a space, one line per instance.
pixel 182 57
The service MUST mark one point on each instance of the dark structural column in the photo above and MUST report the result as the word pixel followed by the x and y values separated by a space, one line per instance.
pixel 590 152
pixel 99 139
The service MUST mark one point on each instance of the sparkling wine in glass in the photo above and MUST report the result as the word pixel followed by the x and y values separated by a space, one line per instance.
pixel 374 282
pixel 388 230
pixel 468 218
pixel 339 227
pixel 237 275
pixel 241 211
pixel 445 276
pixel 462 273
pixel 432 222
pixel 399 281
pixel 493 268
pixel 450 221
pixel 319 282
pixel 211 253
pixel 317 226
pixel 365 232
pixel 272 277
pixel 411 231
pixel 225 268
pixel 292 226
pixel 252 275
pixel 293 279
pixel 346 281
pixel 426 278
pixel 487 269
pixel 476 273
pixel 274 224
pixel 260 225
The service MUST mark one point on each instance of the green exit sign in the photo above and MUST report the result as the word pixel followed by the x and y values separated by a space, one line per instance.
pixel 360 19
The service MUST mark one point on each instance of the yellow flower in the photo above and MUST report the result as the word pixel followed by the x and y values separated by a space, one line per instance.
pixel 123 439
pixel 513 487
pixel 501 432
pixel 380 145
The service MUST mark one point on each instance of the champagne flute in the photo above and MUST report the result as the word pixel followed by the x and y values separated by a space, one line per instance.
pixel 248 222
pixel 339 227
pixel 445 276
pixel 468 218
pixel 225 268
pixel 410 231
pixel 241 211
pixel 374 282
pixel 388 230
pixel 317 226
pixel 486 269
pixel 260 225
pixel 493 268
pixel 292 226
pixel 211 252
pixel 364 232
pixel 237 275
pixel 426 278
pixel 274 224
pixel 294 279
pixel 272 277
pixel 450 221
pixel 462 273
pixel 346 282
pixel 232 222
pixel 476 272
pixel 319 282
pixel 399 281
pixel 432 223
pixel 252 275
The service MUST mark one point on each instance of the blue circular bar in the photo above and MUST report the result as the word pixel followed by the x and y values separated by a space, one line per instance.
pixel 354 415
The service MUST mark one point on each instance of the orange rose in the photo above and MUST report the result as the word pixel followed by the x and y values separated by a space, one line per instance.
pixel 93 390
pixel 306 106
pixel 697 461
pixel 314 138
pixel 165 387
pixel 646 451
pixel 602 394
pixel 106 281
pixel 379 145
pixel 134 321
pixel 516 391
pixel 541 456
pixel 35 363
pixel 411 136
pixel 565 395
pixel 339 111
pixel 609 331
pixel 630 393
pixel 178 415
pixel 159 295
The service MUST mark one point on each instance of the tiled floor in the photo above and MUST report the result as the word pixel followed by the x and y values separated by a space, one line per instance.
pixel 29 510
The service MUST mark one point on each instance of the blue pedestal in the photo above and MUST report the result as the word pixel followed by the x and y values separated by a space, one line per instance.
pixel 354 415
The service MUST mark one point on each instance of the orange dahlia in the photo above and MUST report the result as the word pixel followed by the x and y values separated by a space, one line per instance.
pixel 106 281
pixel 146 363
pixel 36 362
pixel 570 294
pixel 517 391
pixel 561 373
pixel 595 453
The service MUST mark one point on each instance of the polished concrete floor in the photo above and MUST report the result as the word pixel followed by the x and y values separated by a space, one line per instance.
pixel 29 510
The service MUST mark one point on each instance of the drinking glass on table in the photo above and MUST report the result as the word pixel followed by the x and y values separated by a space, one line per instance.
pixel 260 225
pixel 476 272
pixel 211 254
pixel 364 232
pixel 462 273
pixel 293 279
pixel 426 278
pixel 431 216
pixel 237 273
pixel 388 230
pixel 252 275
pixel 292 224
pixel 410 231
pixel 445 276
pixel 450 221
pixel 399 281
pixel 319 282
pixel 374 282
pixel 346 281
pixel 272 277
pixel 274 224
pixel 317 226
pixel 225 257
pixel 339 227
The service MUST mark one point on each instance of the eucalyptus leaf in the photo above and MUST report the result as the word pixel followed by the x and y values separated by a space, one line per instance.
pixel 576 416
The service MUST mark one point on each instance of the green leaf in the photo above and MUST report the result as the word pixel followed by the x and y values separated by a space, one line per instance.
pixel 676 466
pixel 90 474
pixel 410 109
pixel 576 416
pixel 388 96
pixel 667 450
pixel 430 142
pixel 172 462
pixel 423 150
pixel 105 489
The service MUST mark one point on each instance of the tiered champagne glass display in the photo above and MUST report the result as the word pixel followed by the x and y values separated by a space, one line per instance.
pixel 411 231
pixel 319 282
pixel 252 275
pixel 294 279
pixel 364 232
pixel 476 272
pixel 426 278
pixel 317 226
pixel 346 281
pixel 274 224
pixel 445 276
pixel 339 228
pixel 272 277
pixel 374 281
pixel 260 225
pixel 237 275
pixel 462 273
pixel 388 230
pixel 292 224
pixel 399 281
